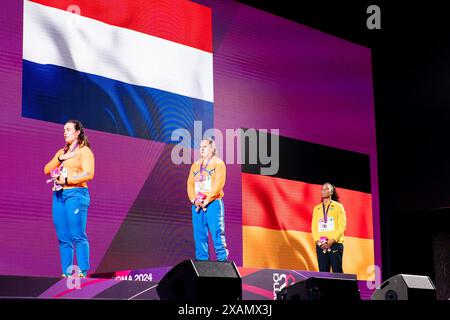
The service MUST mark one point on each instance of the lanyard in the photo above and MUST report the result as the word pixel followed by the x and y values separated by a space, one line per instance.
pixel 325 212
pixel 203 168
pixel 75 145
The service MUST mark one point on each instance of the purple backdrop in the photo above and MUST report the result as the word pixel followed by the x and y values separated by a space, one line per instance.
pixel 268 73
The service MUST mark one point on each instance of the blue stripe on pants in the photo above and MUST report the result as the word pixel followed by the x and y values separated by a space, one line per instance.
pixel 212 220
pixel 69 210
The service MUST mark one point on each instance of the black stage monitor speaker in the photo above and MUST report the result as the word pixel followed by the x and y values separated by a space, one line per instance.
pixel 405 287
pixel 326 289
pixel 201 281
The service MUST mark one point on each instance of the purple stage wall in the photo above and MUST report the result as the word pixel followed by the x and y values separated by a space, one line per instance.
pixel 268 73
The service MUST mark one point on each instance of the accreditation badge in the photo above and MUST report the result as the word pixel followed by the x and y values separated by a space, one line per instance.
pixel 203 184
pixel 326 226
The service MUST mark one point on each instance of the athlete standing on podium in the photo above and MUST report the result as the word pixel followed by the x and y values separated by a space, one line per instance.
pixel 328 225
pixel 70 169
pixel 205 190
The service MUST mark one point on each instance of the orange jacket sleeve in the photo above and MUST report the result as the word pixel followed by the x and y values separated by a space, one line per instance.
pixel 218 183
pixel 191 184
pixel 87 167
pixel 53 163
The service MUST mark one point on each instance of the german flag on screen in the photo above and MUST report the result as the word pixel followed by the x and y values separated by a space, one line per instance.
pixel 277 210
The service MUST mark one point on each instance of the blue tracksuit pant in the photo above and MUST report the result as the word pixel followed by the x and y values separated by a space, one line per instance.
pixel 70 210
pixel 212 220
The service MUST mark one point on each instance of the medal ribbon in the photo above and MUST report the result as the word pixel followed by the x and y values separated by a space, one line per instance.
pixel 203 168
pixel 325 212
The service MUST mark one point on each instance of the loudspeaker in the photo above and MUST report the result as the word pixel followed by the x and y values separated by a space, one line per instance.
pixel 406 287
pixel 201 281
pixel 326 289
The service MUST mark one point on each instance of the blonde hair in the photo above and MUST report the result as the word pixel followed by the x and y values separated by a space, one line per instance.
pixel 212 144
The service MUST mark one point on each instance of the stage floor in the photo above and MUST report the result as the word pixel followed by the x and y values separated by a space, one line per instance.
pixel 257 284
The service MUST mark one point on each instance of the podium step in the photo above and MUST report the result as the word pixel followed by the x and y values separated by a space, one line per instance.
pixel 257 283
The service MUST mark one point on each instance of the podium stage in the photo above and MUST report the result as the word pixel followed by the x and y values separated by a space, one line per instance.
pixel 257 284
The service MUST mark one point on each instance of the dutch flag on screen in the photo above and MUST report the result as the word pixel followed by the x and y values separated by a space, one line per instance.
pixel 140 68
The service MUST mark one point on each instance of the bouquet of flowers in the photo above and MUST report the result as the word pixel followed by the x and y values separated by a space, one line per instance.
pixel 56 172
pixel 324 240
pixel 200 198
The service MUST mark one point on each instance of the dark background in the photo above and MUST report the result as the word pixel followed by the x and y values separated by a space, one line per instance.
pixel 411 77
